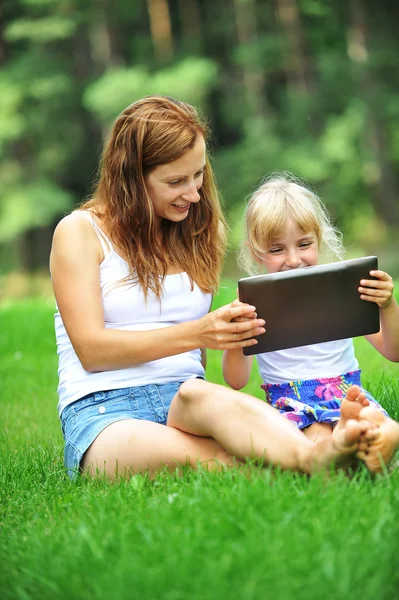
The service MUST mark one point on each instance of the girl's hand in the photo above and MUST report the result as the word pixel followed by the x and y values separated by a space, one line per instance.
pixel 379 291
pixel 231 326
pixel 242 319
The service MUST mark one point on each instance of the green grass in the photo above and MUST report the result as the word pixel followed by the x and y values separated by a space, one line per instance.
pixel 193 536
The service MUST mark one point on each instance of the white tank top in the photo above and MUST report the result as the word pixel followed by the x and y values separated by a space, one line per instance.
pixel 317 361
pixel 125 308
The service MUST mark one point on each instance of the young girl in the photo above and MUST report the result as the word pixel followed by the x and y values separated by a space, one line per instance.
pixel 288 228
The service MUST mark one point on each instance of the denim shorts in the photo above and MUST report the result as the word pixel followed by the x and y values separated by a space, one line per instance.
pixel 83 420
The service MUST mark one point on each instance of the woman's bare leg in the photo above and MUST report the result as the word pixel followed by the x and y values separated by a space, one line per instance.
pixel 202 413
pixel 351 406
pixel 249 428
pixel 132 446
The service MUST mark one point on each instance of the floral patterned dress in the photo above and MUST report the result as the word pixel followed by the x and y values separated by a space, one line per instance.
pixel 314 400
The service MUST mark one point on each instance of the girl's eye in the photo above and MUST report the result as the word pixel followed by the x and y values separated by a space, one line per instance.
pixel 275 250
pixel 199 174
pixel 305 244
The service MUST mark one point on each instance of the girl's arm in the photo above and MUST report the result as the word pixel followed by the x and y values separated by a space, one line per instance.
pixel 386 341
pixel 203 357
pixel 236 368
pixel 74 263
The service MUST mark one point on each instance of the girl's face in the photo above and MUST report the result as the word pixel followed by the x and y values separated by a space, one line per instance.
pixel 293 250
pixel 173 187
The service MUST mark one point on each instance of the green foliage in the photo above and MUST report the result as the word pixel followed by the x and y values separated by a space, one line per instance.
pixel 28 206
pixel 42 31
pixel 263 53
pixel 189 80
pixel 315 94
pixel 11 121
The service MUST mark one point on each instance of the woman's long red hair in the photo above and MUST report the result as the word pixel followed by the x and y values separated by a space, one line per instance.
pixel 154 131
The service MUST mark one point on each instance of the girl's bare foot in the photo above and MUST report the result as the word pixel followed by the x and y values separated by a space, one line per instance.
pixel 377 445
pixel 351 406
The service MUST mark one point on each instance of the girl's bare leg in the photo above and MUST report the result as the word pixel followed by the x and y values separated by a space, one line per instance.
pixel 249 428
pixel 132 446
pixel 318 431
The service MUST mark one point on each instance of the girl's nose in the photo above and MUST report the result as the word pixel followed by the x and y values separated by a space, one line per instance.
pixel 293 260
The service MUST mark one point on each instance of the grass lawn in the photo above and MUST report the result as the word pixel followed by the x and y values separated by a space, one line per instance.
pixel 196 536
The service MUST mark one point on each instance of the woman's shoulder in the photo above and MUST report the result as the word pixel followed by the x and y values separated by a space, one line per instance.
pixel 76 230
pixel 76 218
pixel 74 225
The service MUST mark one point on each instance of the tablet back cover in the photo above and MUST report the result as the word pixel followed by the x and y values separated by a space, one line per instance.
pixel 311 305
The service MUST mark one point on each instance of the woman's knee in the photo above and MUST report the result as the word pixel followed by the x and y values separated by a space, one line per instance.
pixel 193 390
pixel 198 394
pixel 196 400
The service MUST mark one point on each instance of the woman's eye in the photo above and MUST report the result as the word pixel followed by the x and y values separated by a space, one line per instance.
pixel 180 181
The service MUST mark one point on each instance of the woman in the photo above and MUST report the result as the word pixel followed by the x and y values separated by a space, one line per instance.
pixel 133 272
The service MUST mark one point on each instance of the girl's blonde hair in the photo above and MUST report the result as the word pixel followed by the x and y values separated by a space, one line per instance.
pixel 282 196
pixel 151 132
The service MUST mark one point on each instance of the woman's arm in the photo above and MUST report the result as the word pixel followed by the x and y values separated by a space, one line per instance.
pixel 74 263
pixel 386 341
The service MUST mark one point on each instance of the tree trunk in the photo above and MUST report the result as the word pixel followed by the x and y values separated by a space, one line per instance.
pixel 2 44
pixel 383 181
pixel 298 67
pixel 191 29
pixel 161 29
pixel 254 79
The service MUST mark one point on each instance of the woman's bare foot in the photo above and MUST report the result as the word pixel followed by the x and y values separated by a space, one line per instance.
pixel 377 446
pixel 340 449
pixel 351 406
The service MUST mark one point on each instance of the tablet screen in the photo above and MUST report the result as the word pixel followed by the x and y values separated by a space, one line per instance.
pixel 311 305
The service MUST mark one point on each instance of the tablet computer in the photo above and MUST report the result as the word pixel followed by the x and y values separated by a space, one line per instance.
pixel 311 304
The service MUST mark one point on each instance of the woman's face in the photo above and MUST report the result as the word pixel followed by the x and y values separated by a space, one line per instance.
pixel 173 187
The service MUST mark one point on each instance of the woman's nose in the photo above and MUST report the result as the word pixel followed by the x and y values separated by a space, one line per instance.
pixel 192 193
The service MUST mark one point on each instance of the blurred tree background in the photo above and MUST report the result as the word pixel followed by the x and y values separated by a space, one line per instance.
pixel 309 86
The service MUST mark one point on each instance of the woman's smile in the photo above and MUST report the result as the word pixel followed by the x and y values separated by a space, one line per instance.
pixel 182 207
